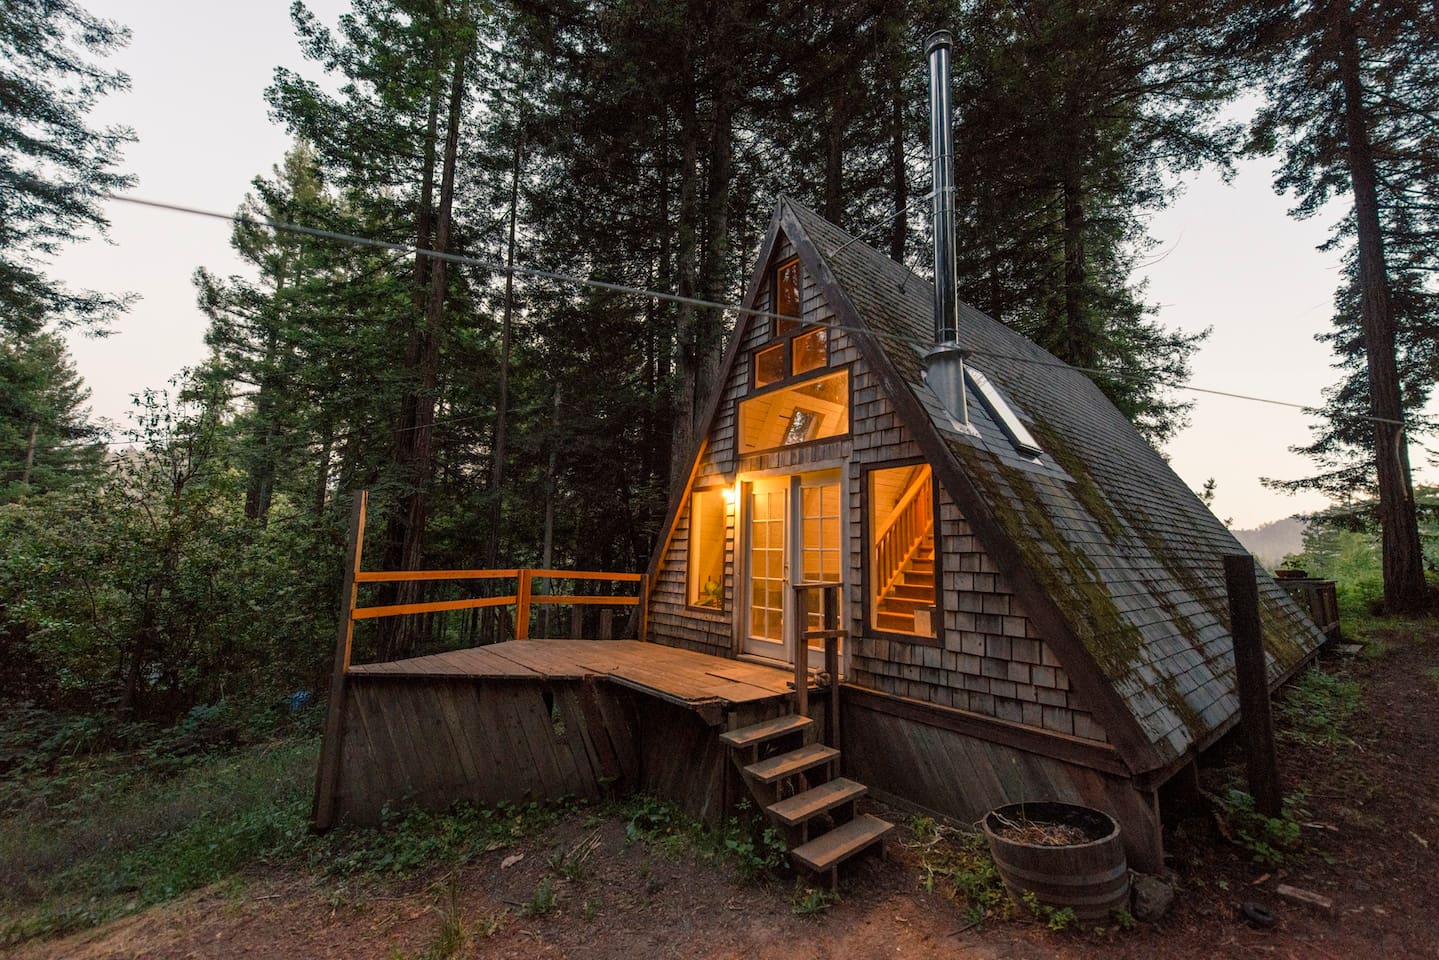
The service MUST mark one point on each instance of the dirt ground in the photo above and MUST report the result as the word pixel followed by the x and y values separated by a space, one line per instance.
pixel 1371 837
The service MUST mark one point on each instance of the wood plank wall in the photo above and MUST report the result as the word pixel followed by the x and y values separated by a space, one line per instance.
pixel 990 660
pixel 916 765
pixel 432 742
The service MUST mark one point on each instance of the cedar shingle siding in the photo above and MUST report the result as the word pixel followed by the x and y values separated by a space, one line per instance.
pixel 992 661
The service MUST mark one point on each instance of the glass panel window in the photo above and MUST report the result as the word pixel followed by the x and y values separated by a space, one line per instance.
pixel 902 595
pixel 810 351
pixel 787 296
pixel 767 520
pixel 708 529
pixel 820 547
pixel 811 410
pixel 769 365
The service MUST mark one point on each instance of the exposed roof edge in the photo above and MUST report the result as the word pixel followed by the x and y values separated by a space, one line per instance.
pixel 712 405
pixel 1097 692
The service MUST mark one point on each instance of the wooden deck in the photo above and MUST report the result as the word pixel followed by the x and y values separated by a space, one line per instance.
pixel 682 677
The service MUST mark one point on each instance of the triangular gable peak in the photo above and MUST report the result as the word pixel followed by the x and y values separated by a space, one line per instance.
pixel 987 655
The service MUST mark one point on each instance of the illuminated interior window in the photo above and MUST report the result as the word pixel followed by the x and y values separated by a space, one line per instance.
pixel 707 549
pixel 769 365
pixel 809 351
pixel 787 296
pixel 809 410
pixel 902 596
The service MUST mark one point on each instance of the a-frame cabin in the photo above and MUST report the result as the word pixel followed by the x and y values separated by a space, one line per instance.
pixel 1023 601
pixel 1034 601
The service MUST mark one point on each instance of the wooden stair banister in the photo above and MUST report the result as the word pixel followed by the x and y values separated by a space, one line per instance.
pixel 902 534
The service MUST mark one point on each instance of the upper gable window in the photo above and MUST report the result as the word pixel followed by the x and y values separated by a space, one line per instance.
pixel 796 348
pixel 788 297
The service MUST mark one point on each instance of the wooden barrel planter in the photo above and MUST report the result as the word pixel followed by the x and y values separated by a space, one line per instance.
pixel 1090 877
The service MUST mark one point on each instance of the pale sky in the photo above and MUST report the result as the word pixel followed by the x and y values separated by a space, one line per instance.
pixel 1232 259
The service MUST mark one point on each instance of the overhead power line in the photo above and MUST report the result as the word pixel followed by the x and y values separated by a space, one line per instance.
pixel 502 268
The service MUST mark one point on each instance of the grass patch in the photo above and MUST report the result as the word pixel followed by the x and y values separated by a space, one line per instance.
pixel 126 840
pixel 1317 707
pixel 108 834
pixel 956 864
pixel 811 901
pixel 419 839
pixel 1271 841
pixel 752 848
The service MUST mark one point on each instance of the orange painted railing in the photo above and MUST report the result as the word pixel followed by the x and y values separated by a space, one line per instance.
pixel 524 598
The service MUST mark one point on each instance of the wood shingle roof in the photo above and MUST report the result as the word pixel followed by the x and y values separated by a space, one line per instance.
pixel 1127 556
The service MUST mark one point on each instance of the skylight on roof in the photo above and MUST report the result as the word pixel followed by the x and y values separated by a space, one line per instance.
pixel 1017 432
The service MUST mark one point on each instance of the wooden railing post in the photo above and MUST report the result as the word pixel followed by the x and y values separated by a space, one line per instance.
pixel 322 809
pixel 643 631
pixel 1252 679
pixel 522 606
pixel 801 650
pixel 831 659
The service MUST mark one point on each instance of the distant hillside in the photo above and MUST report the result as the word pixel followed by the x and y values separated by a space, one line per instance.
pixel 1273 541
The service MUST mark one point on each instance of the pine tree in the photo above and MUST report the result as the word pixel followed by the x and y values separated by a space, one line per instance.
pixel 1072 120
pixel 54 168
pixel 47 440
pixel 1352 89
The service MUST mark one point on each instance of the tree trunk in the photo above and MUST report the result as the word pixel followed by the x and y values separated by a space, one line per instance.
pixel 897 170
pixel 497 472
pixel 407 525
pixel 1402 556
pixel 30 453
pixel 687 269
pixel 833 210
pixel 322 471
pixel 1078 338
pixel 547 547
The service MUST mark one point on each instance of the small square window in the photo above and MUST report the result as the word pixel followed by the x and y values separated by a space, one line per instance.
pixel 769 365
pixel 810 351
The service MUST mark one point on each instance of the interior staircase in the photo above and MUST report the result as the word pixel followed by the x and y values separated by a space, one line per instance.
pixel 796 782
pixel 911 589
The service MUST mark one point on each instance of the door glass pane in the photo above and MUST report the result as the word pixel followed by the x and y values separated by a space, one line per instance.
pixel 767 564
pixel 819 544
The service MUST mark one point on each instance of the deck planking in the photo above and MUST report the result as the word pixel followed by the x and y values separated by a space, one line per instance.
pixel 681 676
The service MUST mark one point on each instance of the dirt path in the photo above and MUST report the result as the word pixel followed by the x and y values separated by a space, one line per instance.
pixel 1371 849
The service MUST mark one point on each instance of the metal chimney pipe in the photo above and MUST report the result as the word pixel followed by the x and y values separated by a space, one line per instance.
pixel 941 151
pixel 944 363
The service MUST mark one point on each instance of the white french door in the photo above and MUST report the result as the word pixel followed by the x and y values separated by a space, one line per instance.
pixel 794 534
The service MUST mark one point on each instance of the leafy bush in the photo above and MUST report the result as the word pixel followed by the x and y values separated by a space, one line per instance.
pixel 1271 840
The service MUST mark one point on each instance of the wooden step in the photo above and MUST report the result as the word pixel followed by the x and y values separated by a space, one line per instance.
pixel 788 764
pixel 816 800
pixel 764 732
pixel 913 591
pixel 907 605
pixel 895 621
pixel 913 579
pixel 844 841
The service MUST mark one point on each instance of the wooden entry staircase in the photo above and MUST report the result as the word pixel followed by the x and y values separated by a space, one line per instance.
pixel 796 783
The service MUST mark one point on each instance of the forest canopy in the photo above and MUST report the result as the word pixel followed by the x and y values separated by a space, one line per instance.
pixel 509 422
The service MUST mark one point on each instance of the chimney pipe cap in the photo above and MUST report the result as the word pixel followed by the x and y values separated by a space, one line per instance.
pixel 940 38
